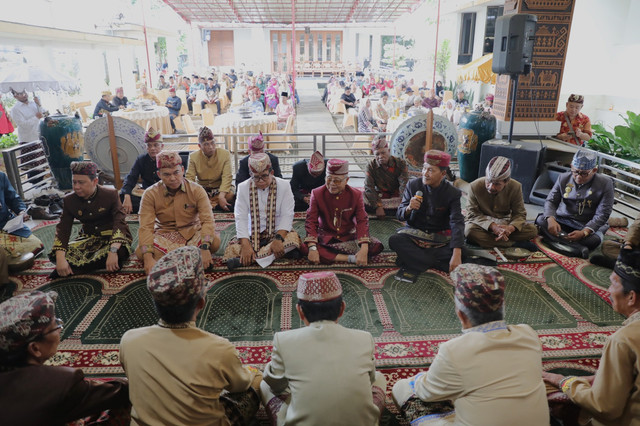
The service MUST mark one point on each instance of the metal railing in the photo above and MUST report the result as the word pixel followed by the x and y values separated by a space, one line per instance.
pixel 292 147
pixel 20 173
pixel 626 193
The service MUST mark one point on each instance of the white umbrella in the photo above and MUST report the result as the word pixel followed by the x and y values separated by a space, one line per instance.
pixel 31 78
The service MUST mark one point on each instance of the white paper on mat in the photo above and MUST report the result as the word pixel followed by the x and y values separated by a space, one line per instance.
pixel 268 260
pixel 14 224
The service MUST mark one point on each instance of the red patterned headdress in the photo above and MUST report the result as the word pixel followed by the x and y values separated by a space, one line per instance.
pixel 319 286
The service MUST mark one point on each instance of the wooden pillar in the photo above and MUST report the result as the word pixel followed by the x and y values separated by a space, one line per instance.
pixel 539 91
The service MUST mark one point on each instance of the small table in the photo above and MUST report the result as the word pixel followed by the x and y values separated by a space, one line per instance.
pixel 156 116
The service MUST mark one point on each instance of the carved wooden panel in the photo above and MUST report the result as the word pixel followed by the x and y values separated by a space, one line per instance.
pixel 538 92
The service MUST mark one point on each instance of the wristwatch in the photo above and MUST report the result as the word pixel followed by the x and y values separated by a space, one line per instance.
pixel 205 246
pixel 113 250
pixel 279 237
pixel 313 248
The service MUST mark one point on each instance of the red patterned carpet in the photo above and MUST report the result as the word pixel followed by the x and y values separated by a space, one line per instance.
pixel 564 299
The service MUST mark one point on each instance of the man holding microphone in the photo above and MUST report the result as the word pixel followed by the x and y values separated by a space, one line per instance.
pixel 434 235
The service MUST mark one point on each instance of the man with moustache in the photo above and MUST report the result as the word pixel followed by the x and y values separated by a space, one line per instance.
pixel 337 224
pixel 577 210
pixel 104 239
pixel 175 213
pixel 496 216
pixel 385 181
pixel 264 218
pixel 434 235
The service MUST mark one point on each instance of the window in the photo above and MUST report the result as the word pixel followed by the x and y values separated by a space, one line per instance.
pixel 328 47
pixel 301 57
pixel 311 47
pixel 493 13
pixel 337 49
pixel 465 49
pixel 370 47
pixel 320 47
pixel 275 51
pixel 357 44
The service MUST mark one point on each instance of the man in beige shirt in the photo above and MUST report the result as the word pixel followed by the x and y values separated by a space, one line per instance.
pixel 211 168
pixel 496 216
pixel 179 374
pixel 149 96
pixel 612 397
pixel 174 213
pixel 491 372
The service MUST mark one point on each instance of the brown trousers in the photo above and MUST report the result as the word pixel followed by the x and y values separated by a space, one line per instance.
pixel 487 239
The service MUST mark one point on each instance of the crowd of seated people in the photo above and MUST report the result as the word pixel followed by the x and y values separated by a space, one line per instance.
pixel 177 245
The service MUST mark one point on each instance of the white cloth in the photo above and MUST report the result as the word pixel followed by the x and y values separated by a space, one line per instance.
pixel 329 370
pixel 284 208
pixel 24 115
pixel 493 374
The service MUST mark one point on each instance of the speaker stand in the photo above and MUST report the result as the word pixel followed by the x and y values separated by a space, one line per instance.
pixel 514 91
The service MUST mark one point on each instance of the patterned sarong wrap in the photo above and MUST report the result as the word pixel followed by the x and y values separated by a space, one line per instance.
pixel 427 239
pixel 291 242
pixel 213 195
pixel 348 247
pixel 420 413
pixel 17 246
pixel 86 250
pixel 240 407
pixel 169 241
pixel 390 203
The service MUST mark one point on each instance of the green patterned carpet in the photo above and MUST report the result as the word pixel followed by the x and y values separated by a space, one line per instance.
pixel 563 299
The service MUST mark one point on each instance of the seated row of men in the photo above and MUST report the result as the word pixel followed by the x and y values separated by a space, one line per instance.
pixel 319 374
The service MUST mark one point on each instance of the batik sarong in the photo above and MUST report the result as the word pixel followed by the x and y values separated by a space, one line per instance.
pixel 427 239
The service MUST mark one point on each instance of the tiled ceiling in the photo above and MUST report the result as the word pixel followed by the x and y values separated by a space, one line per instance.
pixel 279 11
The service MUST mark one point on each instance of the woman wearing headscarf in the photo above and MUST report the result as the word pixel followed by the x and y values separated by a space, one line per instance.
pixel 271 95
pixel 32 393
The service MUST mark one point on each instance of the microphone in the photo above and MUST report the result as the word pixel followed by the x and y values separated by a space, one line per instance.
pixel 412 217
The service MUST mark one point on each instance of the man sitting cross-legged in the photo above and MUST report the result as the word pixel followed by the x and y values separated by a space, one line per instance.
pixel 386 179
pixel 323 373
pixel 337 224
pixel 434 235
pixel 496 216
pixel 491 372
pixel 578 207
pixel 306 176
pixel 264 218
pixel 211 168
pixel 174 213
pixel 104 240
pixel 612 397
pixel 179 374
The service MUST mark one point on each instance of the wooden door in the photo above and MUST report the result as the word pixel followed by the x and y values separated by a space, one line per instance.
pixel 221 48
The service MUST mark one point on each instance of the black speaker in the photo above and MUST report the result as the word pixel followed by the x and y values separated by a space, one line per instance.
pixel 513 44
pixel 526 160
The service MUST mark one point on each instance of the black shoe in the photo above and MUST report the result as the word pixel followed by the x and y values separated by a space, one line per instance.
pixel 42 201
pixel 527 245
pixel 54 275
pixel 233 263
pixel 294 254
pixel 55 209
pixel 600 260
pixel 407 276
pixel 37 212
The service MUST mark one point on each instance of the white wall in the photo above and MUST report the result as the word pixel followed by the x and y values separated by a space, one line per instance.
pixel 603 58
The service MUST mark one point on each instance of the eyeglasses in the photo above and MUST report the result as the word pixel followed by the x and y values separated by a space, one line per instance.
pixel 59 326
pixel 258 178
pixel 334 179
pixel 582 173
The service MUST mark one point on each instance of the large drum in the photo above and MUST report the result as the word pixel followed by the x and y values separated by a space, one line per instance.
pixel 475 128
pixel 64 141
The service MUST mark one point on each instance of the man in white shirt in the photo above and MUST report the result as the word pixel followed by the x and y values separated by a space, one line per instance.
pixel 264 218
pixel 26 115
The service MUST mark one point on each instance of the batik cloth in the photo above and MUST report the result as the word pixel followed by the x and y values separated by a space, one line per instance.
pixel 580 121
pixel 384 182
pixel 427 239
pixel 291 242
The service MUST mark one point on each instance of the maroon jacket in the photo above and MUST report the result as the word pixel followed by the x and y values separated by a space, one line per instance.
pixel 42 395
